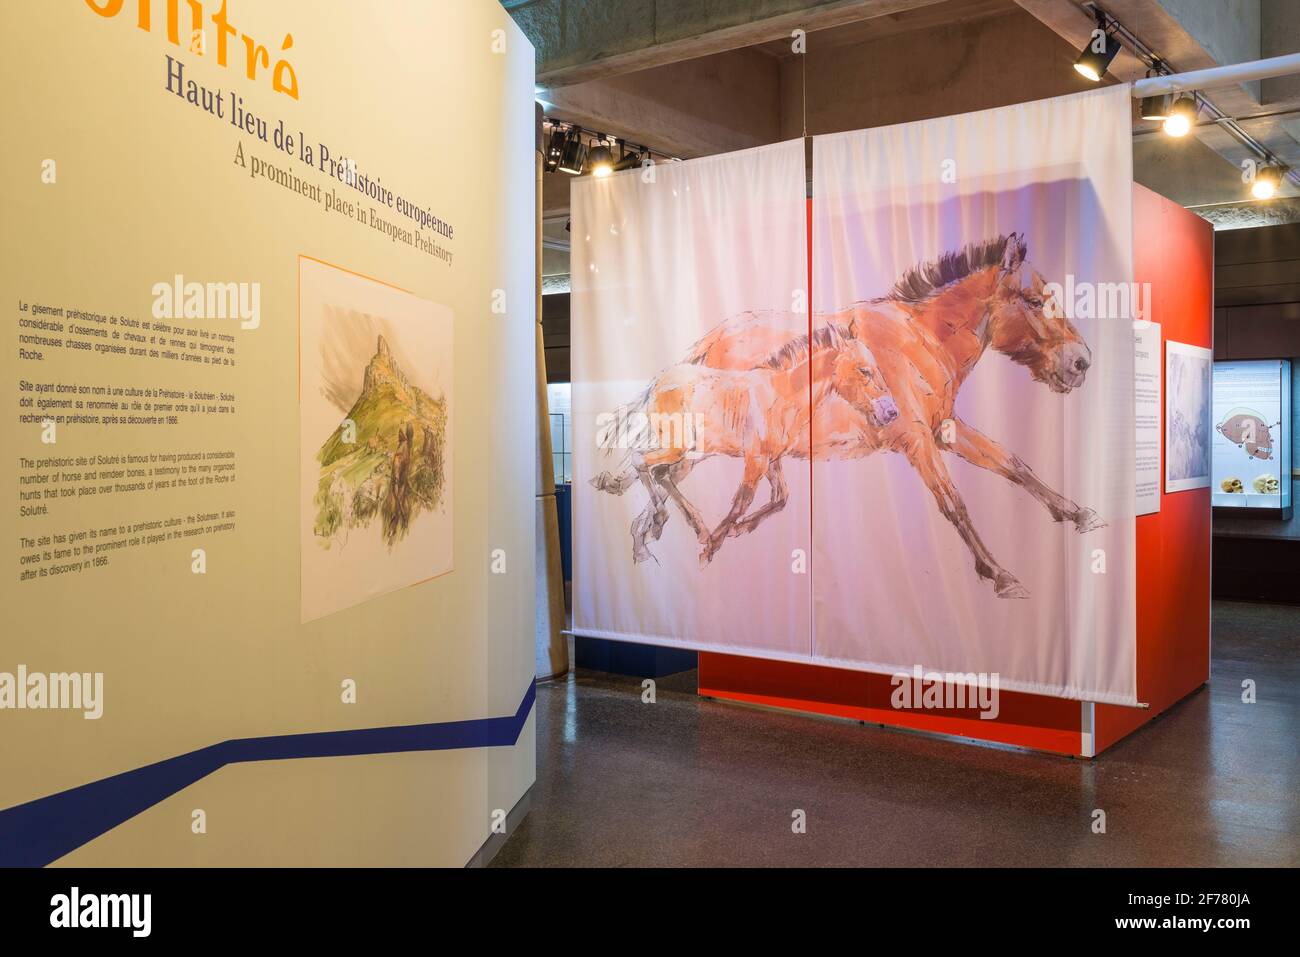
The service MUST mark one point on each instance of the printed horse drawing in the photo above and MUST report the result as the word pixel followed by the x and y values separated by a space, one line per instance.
pixel 755 414
pixel 928 334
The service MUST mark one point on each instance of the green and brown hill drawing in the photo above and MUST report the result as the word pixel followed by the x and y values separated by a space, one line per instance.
pixel 386 459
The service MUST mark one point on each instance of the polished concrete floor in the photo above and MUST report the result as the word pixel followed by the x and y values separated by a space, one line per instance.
pixel 686 781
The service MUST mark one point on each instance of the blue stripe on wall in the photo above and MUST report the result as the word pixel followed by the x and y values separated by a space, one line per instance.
pixel 43 830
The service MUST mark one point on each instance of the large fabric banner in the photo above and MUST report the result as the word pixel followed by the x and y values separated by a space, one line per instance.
pixel 935 468
pixel 986 260
pixel 665 447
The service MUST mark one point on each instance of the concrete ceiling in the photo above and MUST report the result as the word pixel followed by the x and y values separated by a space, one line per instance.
pixel 582 40
pixel 1194 35
pixel 930 16
pixel 691 78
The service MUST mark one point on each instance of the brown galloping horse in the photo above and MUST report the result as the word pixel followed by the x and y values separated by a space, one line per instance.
pixel 755 414
pixel 927 336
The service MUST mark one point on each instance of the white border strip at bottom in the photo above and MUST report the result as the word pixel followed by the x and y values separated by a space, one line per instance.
pixel 1025 687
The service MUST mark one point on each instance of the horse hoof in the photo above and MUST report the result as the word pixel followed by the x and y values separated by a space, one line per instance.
pixel 1007 587
pixel 604 482
pixel 641 556
pixel 1086 520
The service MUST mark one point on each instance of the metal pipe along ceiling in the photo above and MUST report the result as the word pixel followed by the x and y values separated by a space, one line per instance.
pixel 1218 76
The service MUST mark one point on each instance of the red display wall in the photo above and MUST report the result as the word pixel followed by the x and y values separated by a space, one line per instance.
pixel 1174 252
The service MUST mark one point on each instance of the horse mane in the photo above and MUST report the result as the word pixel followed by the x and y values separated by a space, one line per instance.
pixel 921 282
pixel 796 350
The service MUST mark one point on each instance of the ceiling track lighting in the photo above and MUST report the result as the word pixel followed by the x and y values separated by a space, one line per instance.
pixel 571 150
pixel 1156 107
pixel 573 157
pixel 629 159
pixel 1268 179
pixel 1178 112
pixel 1101 49
pixel 554 150
pixel 600 160
pixel 1181 116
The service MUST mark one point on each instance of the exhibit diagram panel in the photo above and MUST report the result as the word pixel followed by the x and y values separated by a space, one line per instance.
pixel 973 323
pixel 255 520
pixel 1187 416
pixel 1251 446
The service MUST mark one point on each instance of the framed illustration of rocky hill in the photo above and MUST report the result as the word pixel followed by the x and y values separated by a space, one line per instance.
pixel 375 404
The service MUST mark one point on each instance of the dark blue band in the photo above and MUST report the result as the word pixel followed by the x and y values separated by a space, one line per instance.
pixel 43 830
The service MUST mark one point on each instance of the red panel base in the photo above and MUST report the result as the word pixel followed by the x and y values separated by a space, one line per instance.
pixel 1174 252
pixel 1025 720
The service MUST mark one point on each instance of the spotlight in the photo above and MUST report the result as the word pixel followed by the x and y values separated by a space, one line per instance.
pixel 1156 107
pixel 629 160
pixel 555 150
pixel 1181 116
pixel 1267 181
pixel 601 160
pixel 1096 57
pixel 574 155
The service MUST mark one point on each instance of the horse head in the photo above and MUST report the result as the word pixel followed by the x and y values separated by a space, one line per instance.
pixel 857 378
pixel 1030 327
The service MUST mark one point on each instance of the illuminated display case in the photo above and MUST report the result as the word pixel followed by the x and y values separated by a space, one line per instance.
pixel 1251 444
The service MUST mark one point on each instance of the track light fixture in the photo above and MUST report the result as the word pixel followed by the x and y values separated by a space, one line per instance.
pixel 574 155
pixel 1156 107
pixel 555 150
pixel 630 159
pixel 1100 50
pixel 1181 116
pixel 600 160
pixel 1267 181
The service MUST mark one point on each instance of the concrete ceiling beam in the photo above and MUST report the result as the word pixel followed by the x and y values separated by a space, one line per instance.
pixel 717 104
pixel 579 41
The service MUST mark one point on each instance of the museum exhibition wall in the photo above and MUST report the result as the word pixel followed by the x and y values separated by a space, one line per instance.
pixel 941 461
pixel 272 432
